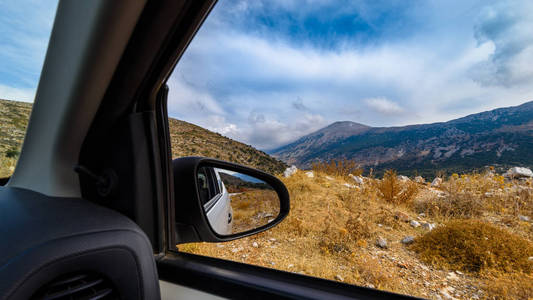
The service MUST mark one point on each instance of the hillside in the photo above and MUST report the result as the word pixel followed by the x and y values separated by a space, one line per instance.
pixel 13 121
pixel 187 140
pixel 502 137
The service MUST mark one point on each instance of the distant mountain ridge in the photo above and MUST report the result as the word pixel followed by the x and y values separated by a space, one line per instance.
pixel 501 137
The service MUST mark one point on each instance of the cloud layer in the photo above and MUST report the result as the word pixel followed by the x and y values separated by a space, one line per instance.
pixel 268 72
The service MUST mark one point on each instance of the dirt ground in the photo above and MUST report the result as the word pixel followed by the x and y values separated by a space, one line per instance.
pixel 340 230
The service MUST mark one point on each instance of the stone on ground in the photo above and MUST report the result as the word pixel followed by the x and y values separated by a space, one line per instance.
pixel 518 172
pixel 290 171
pixel 436 182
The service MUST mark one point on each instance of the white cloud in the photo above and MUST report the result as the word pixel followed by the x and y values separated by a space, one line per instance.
pixel 251 80
pixel 10 93
pixel 186 98
pixel 384 106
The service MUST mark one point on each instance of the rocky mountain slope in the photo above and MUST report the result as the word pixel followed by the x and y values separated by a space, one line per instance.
pixel 187 140
pixel 502 137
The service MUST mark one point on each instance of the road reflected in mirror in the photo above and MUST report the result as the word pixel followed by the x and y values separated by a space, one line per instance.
pixel 236 202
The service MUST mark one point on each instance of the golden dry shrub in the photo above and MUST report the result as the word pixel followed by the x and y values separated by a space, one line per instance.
pixel 253 208
pixel 395 191
pixel 509 286
pixel 475 246
pixel 333 239
pixel 7 166
pixel 457 205
pixel 340 168
pixel 358 228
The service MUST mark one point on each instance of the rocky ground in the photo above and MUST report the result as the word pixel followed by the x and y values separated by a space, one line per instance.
pixel 342 228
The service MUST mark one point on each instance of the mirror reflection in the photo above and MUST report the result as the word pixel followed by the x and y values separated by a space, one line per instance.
pixel 235 202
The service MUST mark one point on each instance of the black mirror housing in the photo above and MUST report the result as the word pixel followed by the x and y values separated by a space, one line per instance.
pixel 190 219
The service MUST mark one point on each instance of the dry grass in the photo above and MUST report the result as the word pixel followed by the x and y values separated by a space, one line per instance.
pixel 471 196
pixel 254 208
pixel 7 166
pixel 339 168
pixel 332 229
pixel 393 190
pixel 475 246
pixel 509 286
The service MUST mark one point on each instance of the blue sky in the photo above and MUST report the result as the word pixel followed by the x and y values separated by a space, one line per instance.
pixel 268 72
pixel 25 27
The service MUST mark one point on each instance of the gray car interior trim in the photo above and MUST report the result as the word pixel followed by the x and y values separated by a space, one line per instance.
pixel 86 44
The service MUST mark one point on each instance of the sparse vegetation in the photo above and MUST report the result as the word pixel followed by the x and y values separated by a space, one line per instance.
pixel 394 190
pixel 254 208
pixel 475 246
pixel 334 225
pixel 13 121
pixel 340 168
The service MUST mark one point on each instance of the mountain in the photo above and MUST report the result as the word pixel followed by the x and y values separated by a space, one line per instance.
pixel 187 140
pixel 502 137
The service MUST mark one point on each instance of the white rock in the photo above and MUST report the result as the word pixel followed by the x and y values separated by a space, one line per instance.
pixel 339 277
pixel 530 258
pixel 518 172
pixel 452 276
pixel 220 246
pixel 403 178
pixel 329 178
pixel 428 226
pixel 310 174
pixel 447 296
pixel 255 245
pixel 358 179
pixel 524 218
pixel 408 240
pixel 348 185
pixel 290 266
pixel 382 243
pixel 414 223
pixel 272 239
pixel 436 182
pixel 290 171
pixel 419 179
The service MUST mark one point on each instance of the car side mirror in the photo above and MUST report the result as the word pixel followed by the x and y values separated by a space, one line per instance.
pixel 217 201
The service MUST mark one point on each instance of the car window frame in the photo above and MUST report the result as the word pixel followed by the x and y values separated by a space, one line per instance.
pixel 226 278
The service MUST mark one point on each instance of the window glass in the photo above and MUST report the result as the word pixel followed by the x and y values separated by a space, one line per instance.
pixel 409 125
pixel 24 32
